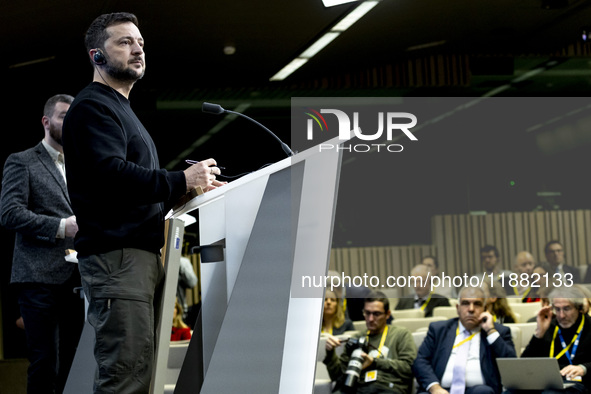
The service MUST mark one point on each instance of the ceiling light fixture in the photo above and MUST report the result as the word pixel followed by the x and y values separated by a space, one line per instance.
pixel 326 39
pixel 30 62
pixel 332 3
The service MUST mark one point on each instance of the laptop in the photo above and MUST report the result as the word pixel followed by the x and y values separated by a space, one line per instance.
pixel 531 374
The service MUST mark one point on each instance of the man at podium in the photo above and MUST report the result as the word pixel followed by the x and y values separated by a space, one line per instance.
pixel 120 197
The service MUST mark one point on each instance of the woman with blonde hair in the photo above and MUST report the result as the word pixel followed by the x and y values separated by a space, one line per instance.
pixel 498 306
pixel 180 331
pixel 334 321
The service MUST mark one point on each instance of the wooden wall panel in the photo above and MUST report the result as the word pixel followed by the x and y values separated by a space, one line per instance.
pixel 457 240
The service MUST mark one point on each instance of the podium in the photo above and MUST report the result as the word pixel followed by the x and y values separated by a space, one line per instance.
pixel 258 327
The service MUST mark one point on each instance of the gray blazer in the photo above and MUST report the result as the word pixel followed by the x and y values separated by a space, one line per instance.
pixel 33 201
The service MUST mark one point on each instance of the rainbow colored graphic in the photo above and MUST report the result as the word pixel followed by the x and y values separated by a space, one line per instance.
pixel 315 116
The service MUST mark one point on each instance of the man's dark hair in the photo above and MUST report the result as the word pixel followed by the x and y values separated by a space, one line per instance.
pixel 378 296
pixel 96 35
pixel 433 258
pixel 550 243
pixel 489 248
pixel 49 107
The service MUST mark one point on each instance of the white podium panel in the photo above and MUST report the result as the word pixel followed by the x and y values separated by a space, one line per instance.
pixel 258 329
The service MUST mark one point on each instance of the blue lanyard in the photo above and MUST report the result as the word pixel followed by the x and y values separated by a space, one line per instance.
pixel 571 355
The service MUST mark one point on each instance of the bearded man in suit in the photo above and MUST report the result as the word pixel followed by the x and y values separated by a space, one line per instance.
pixel 35 204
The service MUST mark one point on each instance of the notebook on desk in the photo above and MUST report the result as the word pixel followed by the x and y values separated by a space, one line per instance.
pixel 531 374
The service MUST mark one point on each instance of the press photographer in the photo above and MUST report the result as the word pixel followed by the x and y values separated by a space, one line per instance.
pixel 376 361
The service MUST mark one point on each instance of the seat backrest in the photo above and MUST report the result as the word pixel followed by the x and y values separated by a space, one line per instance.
pixel 176 357
pixel 359 325
pixel 445 311
pixel 526 310
pixel 527 331
pixel 418 337
pixel 407 313
pixel 517 339
pixel 177 352
pixel 413 324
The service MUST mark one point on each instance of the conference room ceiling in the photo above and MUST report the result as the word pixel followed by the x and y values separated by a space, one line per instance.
pixel 185 41
pixel 400 48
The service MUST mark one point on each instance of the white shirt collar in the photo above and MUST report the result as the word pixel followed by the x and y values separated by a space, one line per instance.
pixel 54 153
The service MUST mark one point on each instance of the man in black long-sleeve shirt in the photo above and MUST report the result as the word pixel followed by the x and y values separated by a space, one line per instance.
pixel 568 337
pixel 120 196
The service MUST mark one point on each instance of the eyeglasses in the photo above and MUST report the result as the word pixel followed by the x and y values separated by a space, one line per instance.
pixel 565 309
pixel 556 251
pixel 374 314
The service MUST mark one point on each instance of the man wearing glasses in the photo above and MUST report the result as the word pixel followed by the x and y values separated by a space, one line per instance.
pixel 459 355
pixel 555 255
pixel 567 337
pixel 383 365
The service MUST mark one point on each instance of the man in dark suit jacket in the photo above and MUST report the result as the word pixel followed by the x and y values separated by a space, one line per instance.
pixel 555 256
pixel 485 340
pixel 35 204
pixel 423 298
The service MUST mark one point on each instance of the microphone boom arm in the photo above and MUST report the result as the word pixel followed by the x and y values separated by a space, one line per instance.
pixel 284 146
pixel 217 110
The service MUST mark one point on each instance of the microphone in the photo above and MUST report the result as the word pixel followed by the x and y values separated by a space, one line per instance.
pixel 217 109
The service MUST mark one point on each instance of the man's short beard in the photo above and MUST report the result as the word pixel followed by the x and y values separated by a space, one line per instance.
pixel 55 133
pixel 123 74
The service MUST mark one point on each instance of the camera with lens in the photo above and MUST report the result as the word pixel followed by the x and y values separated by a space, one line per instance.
pixel 355 347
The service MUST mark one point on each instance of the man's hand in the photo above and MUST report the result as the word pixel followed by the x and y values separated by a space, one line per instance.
pixel 332 343
pixel 486 321
pixel 544 318
pixel 367 360
pixel 71 226
pixel 203 174
pixel 571 371
pixel 437 389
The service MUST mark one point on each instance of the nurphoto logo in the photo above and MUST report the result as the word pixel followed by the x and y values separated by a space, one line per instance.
pixel 388 123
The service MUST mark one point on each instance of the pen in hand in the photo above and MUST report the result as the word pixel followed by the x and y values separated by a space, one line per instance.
pixel 195 162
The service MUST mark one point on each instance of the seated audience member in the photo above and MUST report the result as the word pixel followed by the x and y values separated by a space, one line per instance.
pixel 556 259
pixel 497 304
pixel 524 268
pixel 385 357
pixel 563 331
pixel 459 355
pixel 423 298
pixel 446 289
pixel 333 315
pixel 491 263
pixel 587 297
pixel 180 331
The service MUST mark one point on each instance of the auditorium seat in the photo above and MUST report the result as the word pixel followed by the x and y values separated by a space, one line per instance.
pixel 583 271
pixel 413 324
pixel 359 325
pixel 407 313
pixel 322 382
pixel 176 357
pixel 445 311
pixel 418 337
pixel 517 338
pixel 527 331
pixel 526 310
